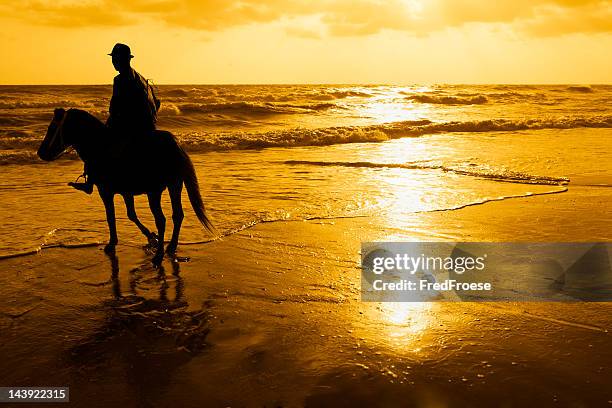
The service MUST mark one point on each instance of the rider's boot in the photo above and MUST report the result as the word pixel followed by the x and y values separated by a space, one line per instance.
pixel 87 187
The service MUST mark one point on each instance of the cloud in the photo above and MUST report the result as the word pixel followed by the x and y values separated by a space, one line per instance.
pixel 67 15
pixel 338 17
pixel 303 32
pixel 553 21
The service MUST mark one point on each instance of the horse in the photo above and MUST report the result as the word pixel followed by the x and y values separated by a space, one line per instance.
pixel 147 165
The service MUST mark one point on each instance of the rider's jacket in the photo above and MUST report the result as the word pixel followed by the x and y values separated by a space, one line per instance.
pixel 134 105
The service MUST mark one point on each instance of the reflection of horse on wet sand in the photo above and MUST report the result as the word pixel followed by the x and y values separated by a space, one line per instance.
pixel 157 164
pixel 147 334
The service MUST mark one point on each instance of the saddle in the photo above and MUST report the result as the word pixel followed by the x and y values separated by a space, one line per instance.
pixel 128 153
pixel 129 142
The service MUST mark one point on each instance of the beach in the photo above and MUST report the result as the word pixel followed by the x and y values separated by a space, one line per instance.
pixel 272 316
pixel 270 313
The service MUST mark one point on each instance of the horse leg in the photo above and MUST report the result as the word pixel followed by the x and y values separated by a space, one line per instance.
pixel 177 215
pixel 131 213
pixel 109 206
pixel 160 223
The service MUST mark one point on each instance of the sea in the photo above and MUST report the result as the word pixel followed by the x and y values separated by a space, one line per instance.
pixel 279 153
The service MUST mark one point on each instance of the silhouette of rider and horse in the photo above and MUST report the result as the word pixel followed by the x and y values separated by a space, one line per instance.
pixel 128 156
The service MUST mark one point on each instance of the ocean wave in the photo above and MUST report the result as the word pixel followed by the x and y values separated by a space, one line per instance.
pixel 24 141
pixel 196 141
pixel 337 94
pixel 245 108
pixel 175 93
pixel 497 125
pixel 314 106
pixel 490 174
pixel 258 94
pixel 345 94
pixel 282 138
pixel 18 157
pixel 582 89
pixel 449 100
pixel 28 157
pixel 19 104
pixel 210 141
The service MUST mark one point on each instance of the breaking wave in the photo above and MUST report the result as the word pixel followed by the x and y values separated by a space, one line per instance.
pixel 374 133
pixel 449 100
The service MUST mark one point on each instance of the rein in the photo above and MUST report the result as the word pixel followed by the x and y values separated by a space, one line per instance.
pixel 59 132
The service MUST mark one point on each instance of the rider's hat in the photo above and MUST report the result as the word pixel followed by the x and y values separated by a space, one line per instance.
pixel 121 50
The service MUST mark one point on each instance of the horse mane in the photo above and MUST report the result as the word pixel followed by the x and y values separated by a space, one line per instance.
pixel 88 134
pixel 86 118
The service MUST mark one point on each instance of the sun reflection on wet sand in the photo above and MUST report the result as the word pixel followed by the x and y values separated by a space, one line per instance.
pixel 399 326
pixel 402 313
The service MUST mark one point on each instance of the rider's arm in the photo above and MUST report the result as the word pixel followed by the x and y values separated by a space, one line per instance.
pixel 113 102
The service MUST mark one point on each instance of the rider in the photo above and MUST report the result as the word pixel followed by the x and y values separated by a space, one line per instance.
pixel 133 106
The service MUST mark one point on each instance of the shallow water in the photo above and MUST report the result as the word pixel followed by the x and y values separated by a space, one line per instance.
pixel 242 188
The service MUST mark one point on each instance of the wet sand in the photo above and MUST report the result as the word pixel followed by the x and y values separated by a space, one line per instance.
pixel 272 316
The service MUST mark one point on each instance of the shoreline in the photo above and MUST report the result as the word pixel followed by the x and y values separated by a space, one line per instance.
pixel 571 192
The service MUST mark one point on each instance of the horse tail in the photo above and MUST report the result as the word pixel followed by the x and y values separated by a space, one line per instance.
pixel 193 191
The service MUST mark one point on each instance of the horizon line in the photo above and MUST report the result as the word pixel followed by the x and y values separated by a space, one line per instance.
pixel 326 84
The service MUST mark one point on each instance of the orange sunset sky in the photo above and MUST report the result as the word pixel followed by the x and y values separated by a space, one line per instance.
pixel 310 41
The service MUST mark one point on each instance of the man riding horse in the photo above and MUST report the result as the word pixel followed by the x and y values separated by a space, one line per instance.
pixel 133 109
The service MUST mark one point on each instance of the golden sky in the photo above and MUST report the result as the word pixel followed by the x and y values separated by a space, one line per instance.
pixel 310 41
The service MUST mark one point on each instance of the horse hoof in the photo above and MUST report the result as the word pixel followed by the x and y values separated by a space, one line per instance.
pixel 110 248
pixel 171 250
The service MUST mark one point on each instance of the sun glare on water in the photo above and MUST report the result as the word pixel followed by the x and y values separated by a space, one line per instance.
pixel 392 105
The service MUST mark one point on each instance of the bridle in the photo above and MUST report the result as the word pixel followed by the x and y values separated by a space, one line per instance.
pixel 58 135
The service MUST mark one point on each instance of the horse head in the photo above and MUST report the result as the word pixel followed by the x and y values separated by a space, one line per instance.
pixel 54 143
